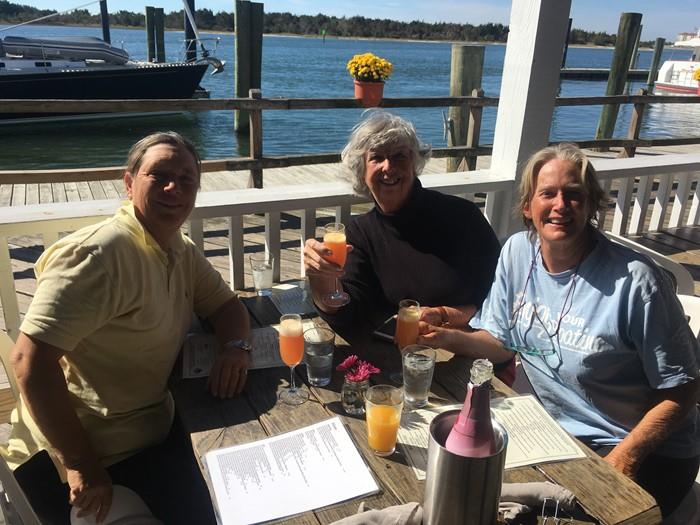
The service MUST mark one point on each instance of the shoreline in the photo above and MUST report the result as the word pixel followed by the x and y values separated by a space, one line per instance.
pixel 333 37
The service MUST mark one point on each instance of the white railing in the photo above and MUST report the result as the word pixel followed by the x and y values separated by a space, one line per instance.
pixel 51 220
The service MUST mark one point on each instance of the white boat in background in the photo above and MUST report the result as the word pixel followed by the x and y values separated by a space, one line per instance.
pixel 676 77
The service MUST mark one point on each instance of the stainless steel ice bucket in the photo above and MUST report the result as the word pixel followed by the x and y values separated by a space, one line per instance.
pixel 459 490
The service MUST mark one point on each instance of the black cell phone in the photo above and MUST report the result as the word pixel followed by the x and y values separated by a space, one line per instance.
pixel 387 329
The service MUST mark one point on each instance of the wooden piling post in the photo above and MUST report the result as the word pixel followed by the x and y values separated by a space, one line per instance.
pixel 256 141
pixel 465 76
pixel 150 35
pixel 249 25
pixel 257 21
pixel 655 61
pixel 635 126
pixel 159 31
pixel 626 35
pixel 474 129
pixel 635 52
pixel 104 20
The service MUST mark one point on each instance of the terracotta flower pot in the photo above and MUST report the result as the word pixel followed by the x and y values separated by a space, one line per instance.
pixel 369 92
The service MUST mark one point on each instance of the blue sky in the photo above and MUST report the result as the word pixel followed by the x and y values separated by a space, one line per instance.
pixel 664 18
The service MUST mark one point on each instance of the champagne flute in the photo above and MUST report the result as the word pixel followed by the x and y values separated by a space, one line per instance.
pixel 292 352
pixel 334 240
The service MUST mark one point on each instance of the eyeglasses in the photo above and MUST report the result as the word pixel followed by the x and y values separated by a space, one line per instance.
pixel 533 350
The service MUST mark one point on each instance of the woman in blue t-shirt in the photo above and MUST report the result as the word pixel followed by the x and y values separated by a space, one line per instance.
pixel 600 332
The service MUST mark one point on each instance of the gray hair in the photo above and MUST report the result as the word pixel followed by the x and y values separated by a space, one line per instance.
pixel 380 129
pixel 138 150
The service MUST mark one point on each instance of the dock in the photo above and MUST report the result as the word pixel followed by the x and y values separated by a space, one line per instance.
pixel 593 73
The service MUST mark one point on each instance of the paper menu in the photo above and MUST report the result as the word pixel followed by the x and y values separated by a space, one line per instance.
pixel 533 435
pixel 306 469
pixel 413 435
pixel 292 299
pixel 199 350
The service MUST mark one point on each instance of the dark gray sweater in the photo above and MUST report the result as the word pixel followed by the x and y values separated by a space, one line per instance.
pixel 438 249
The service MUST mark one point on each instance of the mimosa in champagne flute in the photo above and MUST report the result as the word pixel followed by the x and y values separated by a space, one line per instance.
pixel 334 240
pixel 292 352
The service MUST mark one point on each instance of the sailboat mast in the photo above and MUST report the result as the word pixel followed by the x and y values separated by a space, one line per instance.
pixel 104 18
pixel 191 36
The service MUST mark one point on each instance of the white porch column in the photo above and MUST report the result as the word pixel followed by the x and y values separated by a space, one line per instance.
pixel 530 84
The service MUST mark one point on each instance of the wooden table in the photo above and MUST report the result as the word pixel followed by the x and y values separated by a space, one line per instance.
pixel 607 497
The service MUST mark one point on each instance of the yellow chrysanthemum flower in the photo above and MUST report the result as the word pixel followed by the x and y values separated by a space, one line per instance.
pixel 369 68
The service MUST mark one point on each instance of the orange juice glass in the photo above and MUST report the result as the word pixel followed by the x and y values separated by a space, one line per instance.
pixel 334 240
pixel 383 406
pixel 291 341
pixel 407 323
pixel 292 352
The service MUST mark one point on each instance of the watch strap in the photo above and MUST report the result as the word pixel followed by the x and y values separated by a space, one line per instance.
pixel 241 344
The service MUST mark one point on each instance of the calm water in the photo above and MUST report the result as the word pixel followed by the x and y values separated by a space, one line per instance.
pixel 307 67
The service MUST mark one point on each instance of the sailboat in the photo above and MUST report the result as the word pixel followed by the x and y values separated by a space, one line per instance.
pixel 85 68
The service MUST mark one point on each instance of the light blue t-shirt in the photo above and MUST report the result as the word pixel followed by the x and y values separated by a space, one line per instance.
pixel 621 335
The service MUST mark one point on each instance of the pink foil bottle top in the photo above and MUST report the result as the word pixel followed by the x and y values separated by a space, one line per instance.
pixel 472 434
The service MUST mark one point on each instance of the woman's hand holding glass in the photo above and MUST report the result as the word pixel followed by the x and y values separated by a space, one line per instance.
pixel 437 337
pixel 323 272
pixel 448 316
pixel 316 261
pixel 336 245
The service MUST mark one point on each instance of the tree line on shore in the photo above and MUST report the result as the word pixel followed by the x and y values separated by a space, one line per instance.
pixel 287 23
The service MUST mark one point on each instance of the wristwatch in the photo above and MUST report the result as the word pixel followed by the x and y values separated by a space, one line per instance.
pixel 241 344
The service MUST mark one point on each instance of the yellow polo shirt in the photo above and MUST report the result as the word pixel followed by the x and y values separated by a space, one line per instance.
pixel 119 307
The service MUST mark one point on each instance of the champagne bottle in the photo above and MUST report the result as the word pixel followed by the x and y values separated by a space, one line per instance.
pixel 472 434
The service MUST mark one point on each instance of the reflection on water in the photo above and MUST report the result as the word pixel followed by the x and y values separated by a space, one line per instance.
pixel 420 69
pixel 671 120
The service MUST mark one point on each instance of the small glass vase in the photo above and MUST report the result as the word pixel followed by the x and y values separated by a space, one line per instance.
pixel 352 396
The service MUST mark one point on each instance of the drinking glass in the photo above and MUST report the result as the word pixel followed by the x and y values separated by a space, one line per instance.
pixel 383 406
pixel 407 323
pixel 261 265
pixel 334 240
pixel 292 352
pixel 406 330
pixel 418 367
pixel 318 355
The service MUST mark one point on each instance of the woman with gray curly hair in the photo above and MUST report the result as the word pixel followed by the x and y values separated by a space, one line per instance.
pixel 415 243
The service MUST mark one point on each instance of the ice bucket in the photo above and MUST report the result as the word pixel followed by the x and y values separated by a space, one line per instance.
pixel 459 490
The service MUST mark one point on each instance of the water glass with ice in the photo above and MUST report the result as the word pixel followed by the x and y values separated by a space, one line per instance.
pixel 318 355
pixel 418 367
pixel 261 266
